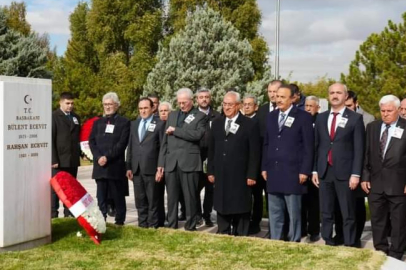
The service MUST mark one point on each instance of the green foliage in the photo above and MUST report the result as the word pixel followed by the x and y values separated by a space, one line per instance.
pixel 132 247
pixel 112 48
pixel 379 66
pixel 318 88
pixel 259 88
pixel 20 55
pixel 243 14
pixel 207 52
pixel 16 21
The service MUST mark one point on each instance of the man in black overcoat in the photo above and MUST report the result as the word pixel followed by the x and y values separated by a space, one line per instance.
pixel 108 142
pixel 233 166
pixel 65 145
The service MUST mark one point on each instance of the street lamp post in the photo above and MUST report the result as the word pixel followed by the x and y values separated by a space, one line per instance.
pixel 278 11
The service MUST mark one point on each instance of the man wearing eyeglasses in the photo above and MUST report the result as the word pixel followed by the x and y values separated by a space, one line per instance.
pixel 233 166
pixel 180 159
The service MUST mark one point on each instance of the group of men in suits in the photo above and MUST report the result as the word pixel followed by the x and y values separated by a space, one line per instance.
pixel 300 158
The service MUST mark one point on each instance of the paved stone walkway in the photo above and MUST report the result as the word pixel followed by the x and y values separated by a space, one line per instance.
pixel 84 176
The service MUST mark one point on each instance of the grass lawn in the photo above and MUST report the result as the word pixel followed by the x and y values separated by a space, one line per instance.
pixel 130 247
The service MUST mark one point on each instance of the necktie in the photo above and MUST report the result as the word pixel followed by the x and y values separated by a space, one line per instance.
pixel 384 140
pixel 143 129
pixel 281 121
pixel 228 126
pixel 332 135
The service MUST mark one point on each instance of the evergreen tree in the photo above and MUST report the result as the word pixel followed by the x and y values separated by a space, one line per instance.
pixel 21 55
pixel 379 67
pixel 259 88
pixel 243 14
pixel 15 14
pixel 112 48
pixel 207 52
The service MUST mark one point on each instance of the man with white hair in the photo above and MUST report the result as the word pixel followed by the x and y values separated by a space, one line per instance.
pixel 164 109
pixel 108 142
pixel 180 159
pixel 233 166
pixel 384 178
pixel 402 109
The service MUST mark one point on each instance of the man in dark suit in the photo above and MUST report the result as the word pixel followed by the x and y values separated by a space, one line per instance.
pixel 265 109
pixel 233 166
pixel 310 201
pixel 339 149
pixel 180 158
pixel 287 162
pixel 402 109
pixel 65 145
pixel 250 108
pixel 384 177
pixel 108 141
pixel 203 99
pixel 142 161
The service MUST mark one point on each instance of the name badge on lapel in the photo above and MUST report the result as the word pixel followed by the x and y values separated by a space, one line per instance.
pixel 234 128
pixel 109 128
pixel 151 127
pixel 398 133
pixel 289 121
pixel 189 119
pixel 75 120
pixel 343 122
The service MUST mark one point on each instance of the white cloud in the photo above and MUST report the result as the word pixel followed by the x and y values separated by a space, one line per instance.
pixel 319 37
pixel 51 21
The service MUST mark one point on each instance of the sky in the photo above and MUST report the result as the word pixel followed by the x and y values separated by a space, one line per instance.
pixel 317 37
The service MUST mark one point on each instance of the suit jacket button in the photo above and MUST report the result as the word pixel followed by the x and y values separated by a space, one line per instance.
pixel 277 149
pixel 224 154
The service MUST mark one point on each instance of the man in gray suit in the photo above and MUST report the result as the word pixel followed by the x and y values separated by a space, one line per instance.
pixel 142 160
pixel 180 157
pixel 352 104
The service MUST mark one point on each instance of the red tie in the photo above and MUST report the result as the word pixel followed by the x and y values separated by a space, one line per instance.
pixel 332 134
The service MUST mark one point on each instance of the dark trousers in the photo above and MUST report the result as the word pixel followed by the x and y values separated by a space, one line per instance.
pixel 258 201
pixel 54 198
pixel 360 218
pixel 233 224
pixel 208 197
pixel 311 211
pixel 187 182
pixel 114 187
pixel 330 189
pixel 382 206
pixel 161 202
pixel 146 200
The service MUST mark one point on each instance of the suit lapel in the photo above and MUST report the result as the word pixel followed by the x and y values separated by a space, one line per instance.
pixel 149 133
pixel 292 113
pixel 66 119
pixel 137 124
pixel 393 140
pixel 339 130
pixel 325 120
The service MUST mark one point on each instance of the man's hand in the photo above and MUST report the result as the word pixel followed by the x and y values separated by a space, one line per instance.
pixel 102 161
pixel 251 182
pixel 354 181
pixel 55 166
pixel 211 178
pixel 366 186
pixel 170 130
pixel 264 175
pixel 159 174
pixel 302 178
pixel 315 180
pixel 129 175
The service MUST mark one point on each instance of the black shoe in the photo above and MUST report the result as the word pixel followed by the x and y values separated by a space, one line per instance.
pixel 254 229
pixel 314 238
pixel 199 222
pixel 119 223
pixel 111 211
pixel 182 217
pixel 208 222
pixel 338 241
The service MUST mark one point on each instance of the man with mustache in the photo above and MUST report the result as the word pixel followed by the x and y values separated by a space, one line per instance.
pixel 339 149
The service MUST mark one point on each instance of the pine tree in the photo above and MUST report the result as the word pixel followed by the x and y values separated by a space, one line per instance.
pixel 207 52
pixel 21 55
pixel 112 48
pixel 379 67
pixel 243 14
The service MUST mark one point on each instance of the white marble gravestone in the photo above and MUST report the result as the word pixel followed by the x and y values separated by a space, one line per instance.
pixel 25 162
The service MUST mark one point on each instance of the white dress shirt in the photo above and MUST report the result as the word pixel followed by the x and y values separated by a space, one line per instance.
pixel 338 119
pixel 232 120
pixel 391 130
